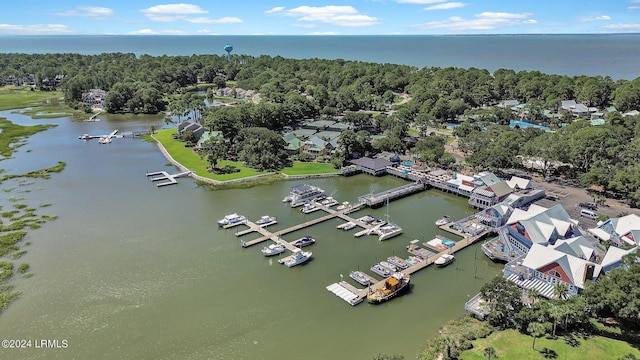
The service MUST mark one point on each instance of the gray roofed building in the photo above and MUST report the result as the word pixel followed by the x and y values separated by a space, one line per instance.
pixel 372 166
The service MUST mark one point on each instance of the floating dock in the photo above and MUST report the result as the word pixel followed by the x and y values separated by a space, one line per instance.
pixel 344 290
pixel 163 175
pixel 377 200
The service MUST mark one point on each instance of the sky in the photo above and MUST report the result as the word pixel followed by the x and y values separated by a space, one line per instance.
pixel 323 17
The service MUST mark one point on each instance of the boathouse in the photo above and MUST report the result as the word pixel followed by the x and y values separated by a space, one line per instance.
pixel 375 167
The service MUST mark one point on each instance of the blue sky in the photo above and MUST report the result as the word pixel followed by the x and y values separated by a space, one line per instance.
pixel 282 17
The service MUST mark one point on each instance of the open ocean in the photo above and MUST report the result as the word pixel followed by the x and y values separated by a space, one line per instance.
pixel 613 55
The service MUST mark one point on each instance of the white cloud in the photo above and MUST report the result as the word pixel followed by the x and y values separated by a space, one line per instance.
pixel 330 14
pixel 207 20
pixel 421 2
pixel 633 8
pixel 89 11
pixel 595 18
pixel 445 6
pixel 482 21
pixel 628 27
pixel 185 12
pixel 171 12
pixel 156 32
pixel 36 29
pixel 276 9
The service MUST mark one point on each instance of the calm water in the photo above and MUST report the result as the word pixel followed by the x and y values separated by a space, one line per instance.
pixel 130 271
pixel 607 55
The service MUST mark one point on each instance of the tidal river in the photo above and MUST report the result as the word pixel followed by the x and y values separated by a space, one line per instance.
pixel 132 271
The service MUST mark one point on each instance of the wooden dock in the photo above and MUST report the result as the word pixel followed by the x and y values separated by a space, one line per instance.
pixel 377 200
pixel 361 293
pixel 163 175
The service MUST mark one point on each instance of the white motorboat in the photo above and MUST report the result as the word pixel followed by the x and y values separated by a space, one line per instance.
pixel 443 220
pixel 104 140
pixel 360 277
pixel 343 206
pixel 298 258
pixel 346 226
pixel 309 208
pixel 231 219
pixel 266 221
pixel 273 249
pixel 444 260
pixel 84 137
pixel 380 270
pixel 388 231
pixel 303 194
pixel 304 241
pixel 389 266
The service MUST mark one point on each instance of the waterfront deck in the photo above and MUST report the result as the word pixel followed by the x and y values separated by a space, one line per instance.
pixel 377 200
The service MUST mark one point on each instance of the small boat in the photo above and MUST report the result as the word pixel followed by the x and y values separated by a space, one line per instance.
pixel 444 260
pixel 377 222
pixel 443 220
pixel 398 262
pixel 286 199
pixel 380 270
pixel 348 225
pixel 309 208
pixel 84 137
pixel 266 221
pixel 329 202
pixel 360 277
pixel 388 231
pixel 298 258
pixel 304 241
pixel 366 219
pixel 104 140
pixel 343 206
pixel 231 219
pixel 392 286
pixel 389 266
pixel 273 249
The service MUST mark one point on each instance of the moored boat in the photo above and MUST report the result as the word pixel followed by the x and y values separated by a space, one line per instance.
pixel 443 220
pixel 388 231
pixel 298 258
pixel 392 286
pixel 304 241
pixel 309 208
pixel 266 221
pixel 343 206
pixel 444 260
pixel 231 219
pixel 303 194
pixel 347 226
pixel 389 266
pixel 273 249
pixel 380 270
pixel 360 277
pixel 398 262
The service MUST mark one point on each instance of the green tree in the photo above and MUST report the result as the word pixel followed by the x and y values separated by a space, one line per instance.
pixel 561 291
pixel 262 149
pixel 490 353
pixel 503 300
pixel 536 329
pixel 214 148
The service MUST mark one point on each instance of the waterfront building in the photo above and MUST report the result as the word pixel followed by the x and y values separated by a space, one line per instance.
pixel 620 230
pixel 544 267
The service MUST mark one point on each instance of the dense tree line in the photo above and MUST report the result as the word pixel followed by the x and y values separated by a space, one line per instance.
pixel 293 89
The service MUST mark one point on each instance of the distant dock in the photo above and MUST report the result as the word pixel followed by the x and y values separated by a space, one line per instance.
pixel 163 175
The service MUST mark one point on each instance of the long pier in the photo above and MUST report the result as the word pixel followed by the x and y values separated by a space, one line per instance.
pixel 359 294
pixel 377 200
pixel 275 236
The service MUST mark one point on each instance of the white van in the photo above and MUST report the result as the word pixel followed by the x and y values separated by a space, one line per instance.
pixel 588 214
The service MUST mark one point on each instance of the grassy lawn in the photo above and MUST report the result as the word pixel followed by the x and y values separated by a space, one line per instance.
pixel 305 168
pixel 510 344
pixel 413 132
pixel 188 158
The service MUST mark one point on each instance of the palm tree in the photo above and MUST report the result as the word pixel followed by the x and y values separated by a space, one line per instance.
pixel 536 330
pixel 561 291
pixel 534 295
pixel 489 353
pixel 556 313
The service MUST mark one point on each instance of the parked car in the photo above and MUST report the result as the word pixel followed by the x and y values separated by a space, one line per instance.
pixel 552 197
pixel 550 178
pixel 589 205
